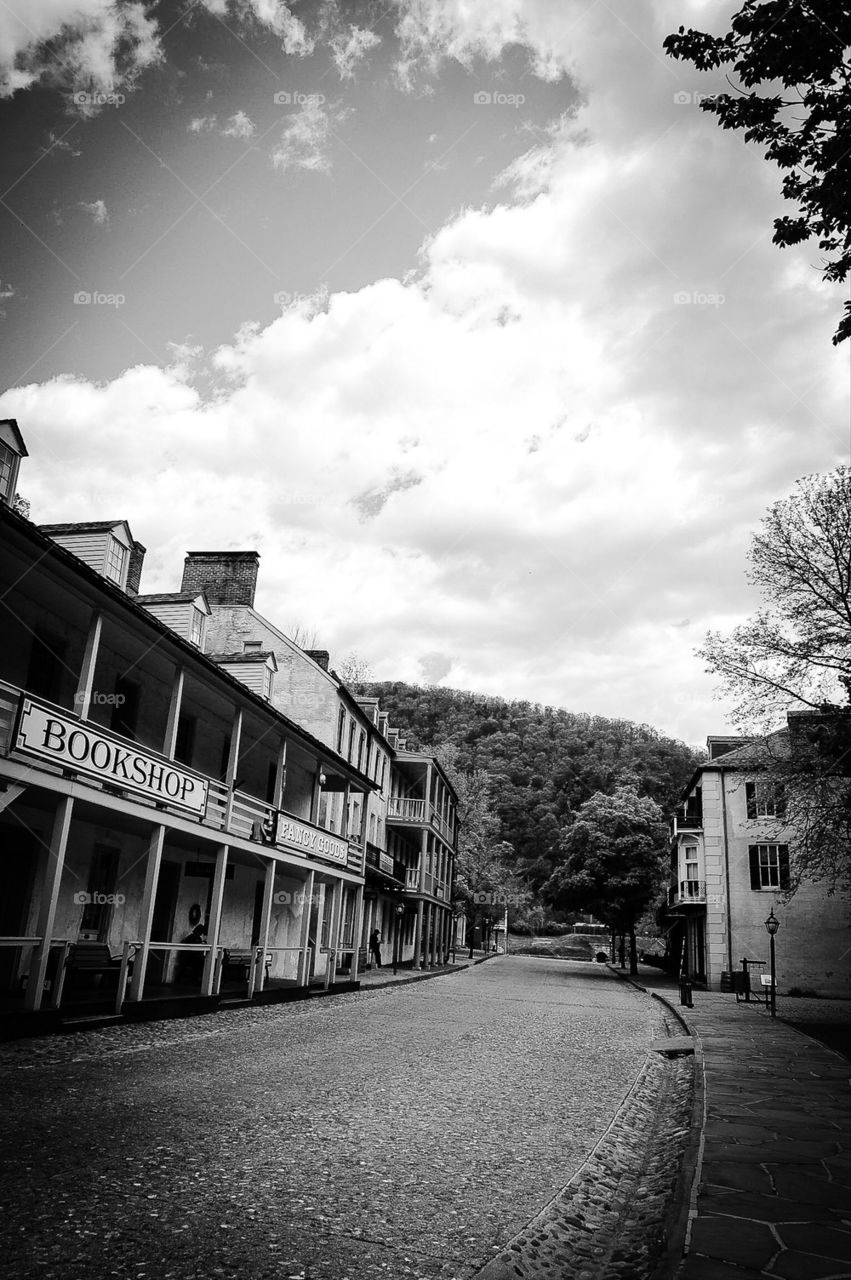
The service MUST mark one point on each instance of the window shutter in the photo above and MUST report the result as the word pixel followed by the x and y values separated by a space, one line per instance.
pixel 783 858
pixel 780 800
pixel 753 854
pixel 750 794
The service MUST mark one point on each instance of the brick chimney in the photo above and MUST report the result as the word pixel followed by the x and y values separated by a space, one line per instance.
pixel 228 577
pixel 134 568
pixel 320 656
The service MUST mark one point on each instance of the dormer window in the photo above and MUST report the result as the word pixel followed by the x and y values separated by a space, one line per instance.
pixel 7 470
pixel 116 561
pixel 196 627
pixel 268 675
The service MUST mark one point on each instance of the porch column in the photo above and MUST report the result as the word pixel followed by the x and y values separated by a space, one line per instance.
pixel 47 905
pixel 344 817
pixel 423 860
pixel 356 929
pixel 418 936
pixel 432 951
pixel 334 931
pixel 314 799
pixel 146 917
pixel 370 925
pixel 85 684
pixel 170 741
pixel 233 761
pixel 304 933
pixel 265 920
pixel 214 924
pixel 280 775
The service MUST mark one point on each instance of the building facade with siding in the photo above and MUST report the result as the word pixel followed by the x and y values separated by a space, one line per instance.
pixel 161 821
pixel 409 816
pixel 167 830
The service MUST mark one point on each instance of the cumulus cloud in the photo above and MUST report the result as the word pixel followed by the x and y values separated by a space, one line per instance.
pixel 7 293
pixel 98 211
pixel 533 465
pixel 240 125
pixel 349 47
pixel 89 46
pixel 305 138
pixel 274 16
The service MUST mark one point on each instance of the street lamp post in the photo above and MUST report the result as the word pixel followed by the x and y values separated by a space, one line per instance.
pixel 772 924
pixel 400 911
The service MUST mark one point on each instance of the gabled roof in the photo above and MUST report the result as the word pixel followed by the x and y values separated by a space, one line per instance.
pixel 754 754
pixel 14 430
pixel 253 655
pixel 85 526
pixel 173 597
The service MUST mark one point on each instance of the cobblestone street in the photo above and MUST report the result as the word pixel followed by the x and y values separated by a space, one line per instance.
pixel 411 1131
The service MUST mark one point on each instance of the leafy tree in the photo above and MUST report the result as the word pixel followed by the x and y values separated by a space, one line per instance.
pixel 612 861
pixel 21 506
pixel 543 762
pixel 796 650
pixel 354 670
pixel 795 654
pixel 793 97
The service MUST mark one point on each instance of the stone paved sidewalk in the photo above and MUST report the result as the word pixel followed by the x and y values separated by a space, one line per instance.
pixel 772 1195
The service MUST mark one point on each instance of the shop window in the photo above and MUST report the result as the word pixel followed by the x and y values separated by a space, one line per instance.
pixel 97 912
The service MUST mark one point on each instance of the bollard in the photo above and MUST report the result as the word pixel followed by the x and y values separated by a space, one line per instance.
pixel 685 993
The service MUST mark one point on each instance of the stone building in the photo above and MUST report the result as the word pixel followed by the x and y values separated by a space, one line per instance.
pixel 730 858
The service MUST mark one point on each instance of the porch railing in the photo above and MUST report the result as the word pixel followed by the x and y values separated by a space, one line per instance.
pixel 406 809
pixel 693 891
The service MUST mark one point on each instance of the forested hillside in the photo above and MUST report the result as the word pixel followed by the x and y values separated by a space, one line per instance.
pixel 543 761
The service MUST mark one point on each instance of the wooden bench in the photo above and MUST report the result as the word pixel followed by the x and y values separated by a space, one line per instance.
pixel 242 962
pixel 92 967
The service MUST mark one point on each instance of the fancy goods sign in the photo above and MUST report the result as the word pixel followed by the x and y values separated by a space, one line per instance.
pixel 296 835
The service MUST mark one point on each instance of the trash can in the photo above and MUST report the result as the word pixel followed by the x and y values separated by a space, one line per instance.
pixel 685 992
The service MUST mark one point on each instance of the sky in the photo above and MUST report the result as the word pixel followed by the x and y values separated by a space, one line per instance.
pixel 461 312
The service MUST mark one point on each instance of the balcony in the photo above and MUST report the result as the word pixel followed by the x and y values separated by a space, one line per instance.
pixel 688 818
pixel 105 761
pixel 378 860
pixel 687 893
pixel 404 810
pixel 410 811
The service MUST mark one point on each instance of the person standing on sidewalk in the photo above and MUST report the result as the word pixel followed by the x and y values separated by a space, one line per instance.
pixel 375 946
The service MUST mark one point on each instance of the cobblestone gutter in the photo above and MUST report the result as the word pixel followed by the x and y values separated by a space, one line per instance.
pixel 611 1221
